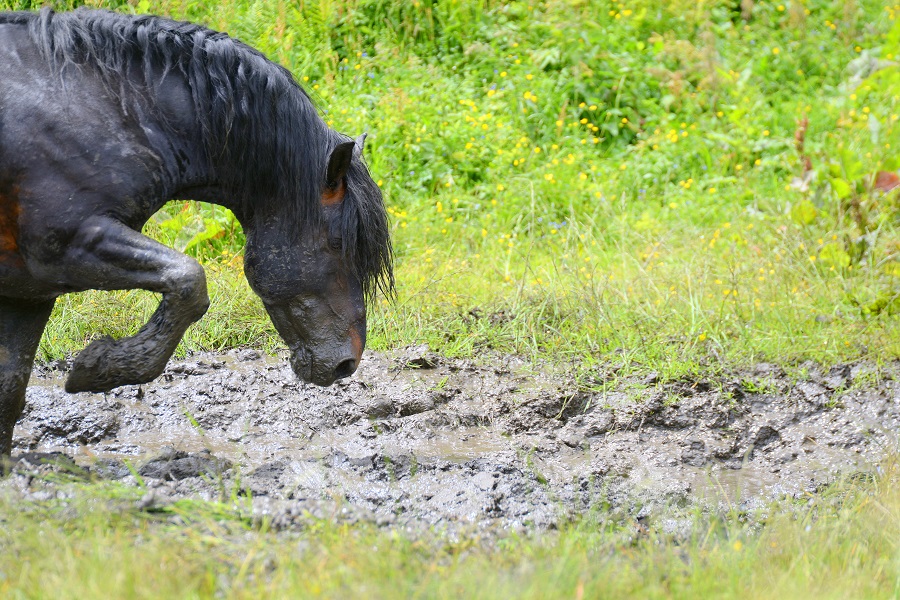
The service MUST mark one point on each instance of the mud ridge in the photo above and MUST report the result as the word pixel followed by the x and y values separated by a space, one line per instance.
pixel 420 441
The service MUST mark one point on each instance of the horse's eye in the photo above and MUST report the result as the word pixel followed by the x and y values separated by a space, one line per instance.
pixel 334 243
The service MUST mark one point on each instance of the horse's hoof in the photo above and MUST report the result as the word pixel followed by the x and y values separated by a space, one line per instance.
pixel 107 364
pixel 90 369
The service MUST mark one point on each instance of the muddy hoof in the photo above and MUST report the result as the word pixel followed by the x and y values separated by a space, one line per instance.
pixel 107 364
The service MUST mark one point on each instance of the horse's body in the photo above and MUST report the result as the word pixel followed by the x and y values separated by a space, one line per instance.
pixel 103 119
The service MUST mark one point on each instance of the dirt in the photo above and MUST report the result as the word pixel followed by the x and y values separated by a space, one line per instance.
pixel 415 440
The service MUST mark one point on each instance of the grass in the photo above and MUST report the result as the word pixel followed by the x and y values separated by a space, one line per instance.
pixel 94 543
pixel 680 187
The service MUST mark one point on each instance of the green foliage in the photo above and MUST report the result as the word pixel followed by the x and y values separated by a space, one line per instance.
pixel 680 182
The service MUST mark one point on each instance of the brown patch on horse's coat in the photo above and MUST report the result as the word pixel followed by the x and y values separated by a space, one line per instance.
pixel 9 223
pixel 332 196
pixel 356 342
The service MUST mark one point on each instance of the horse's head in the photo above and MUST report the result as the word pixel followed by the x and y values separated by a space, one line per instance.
pixel 315 288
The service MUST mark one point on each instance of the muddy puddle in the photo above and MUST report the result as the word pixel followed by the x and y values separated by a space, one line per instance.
pixel 416 440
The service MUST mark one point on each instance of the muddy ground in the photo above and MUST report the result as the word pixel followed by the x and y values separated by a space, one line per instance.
pixel 416 441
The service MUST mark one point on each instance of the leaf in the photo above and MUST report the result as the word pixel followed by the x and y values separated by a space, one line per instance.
pixel 833 254
pixel 841 187
pixel 212 229
pixel 804 212
pixel 853 167
pixel 885 181
pixel 612 128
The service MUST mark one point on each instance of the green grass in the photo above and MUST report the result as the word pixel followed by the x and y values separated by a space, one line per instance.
pixel 579 181
pixel 94 543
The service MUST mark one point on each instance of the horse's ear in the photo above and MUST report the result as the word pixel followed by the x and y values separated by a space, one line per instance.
pixel 339 163
pixel 360 143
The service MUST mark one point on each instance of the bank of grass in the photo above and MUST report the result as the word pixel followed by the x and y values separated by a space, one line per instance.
pixel 838 544
pixel 580 180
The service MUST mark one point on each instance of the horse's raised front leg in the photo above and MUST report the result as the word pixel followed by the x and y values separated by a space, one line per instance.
pixel 107 255
pixel 21 325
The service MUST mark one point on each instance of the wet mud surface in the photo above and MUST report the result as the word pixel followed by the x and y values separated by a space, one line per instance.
pixel 419 441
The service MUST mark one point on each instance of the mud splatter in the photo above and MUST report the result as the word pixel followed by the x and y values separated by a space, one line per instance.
pixel 494 444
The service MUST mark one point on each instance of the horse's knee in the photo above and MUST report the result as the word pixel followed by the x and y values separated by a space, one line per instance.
pixel 189 288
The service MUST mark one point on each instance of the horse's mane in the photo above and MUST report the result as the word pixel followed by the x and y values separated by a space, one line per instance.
pixel 261 129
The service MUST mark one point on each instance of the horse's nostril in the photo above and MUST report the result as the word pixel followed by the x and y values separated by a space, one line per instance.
pixel 345 369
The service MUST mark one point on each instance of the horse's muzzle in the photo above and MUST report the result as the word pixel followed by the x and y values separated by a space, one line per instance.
pixel 321 371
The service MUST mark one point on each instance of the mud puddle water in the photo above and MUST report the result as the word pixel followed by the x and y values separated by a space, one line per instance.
pixel 417 440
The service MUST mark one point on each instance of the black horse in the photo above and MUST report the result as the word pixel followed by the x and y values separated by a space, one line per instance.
pixel 106 117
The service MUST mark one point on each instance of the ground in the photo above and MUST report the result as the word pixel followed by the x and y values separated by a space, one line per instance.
pixel 418 441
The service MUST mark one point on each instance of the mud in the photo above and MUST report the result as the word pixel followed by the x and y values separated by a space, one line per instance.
pixel 416 440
